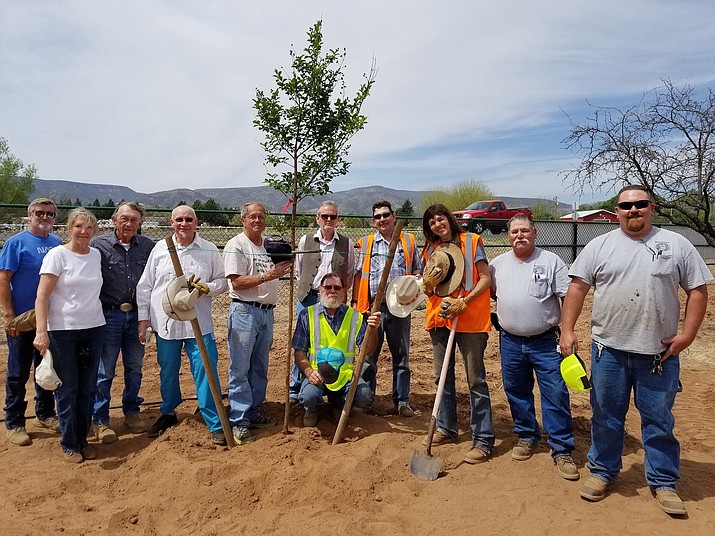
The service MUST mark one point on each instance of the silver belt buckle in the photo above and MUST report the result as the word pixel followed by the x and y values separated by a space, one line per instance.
pixel 126 307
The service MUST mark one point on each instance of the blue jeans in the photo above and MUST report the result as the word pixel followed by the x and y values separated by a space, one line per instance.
pixel 311 396
pixel 471 346
pixel 613 375
pixel 121 333
pixel 296 378
pixel 168 355
pixel 397 332
pixel 250 335
pixel 521 359
pixel 75 355
pixel 21 355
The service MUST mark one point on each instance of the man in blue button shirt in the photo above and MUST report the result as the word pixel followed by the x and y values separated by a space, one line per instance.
pixel 124 256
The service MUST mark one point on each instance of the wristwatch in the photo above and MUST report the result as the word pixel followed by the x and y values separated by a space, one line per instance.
pixel 263 278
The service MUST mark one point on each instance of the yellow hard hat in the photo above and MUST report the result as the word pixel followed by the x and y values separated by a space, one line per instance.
pixel 573 371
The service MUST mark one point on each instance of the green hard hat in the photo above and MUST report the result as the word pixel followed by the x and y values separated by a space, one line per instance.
pixel 573 371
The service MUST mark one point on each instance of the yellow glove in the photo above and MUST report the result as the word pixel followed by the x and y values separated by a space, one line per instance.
pixel 195 283
pixel 452 307
pixel 432 276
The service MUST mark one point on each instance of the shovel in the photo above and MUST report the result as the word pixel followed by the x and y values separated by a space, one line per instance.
pixel 423 464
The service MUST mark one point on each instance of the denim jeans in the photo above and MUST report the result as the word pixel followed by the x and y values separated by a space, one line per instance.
pixel 75 355
pixel 311 396
pixel 613 375
pixel 521 359
pixel 397 332
pixel 168 355
pixel 471 346
pixel 21 355
pixel 120 333
pixel 296 378
pixel 250 335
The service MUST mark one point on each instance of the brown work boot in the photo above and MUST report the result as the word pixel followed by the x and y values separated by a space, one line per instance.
pixel 439 438
pixel 88 452
pixel 51 423
pixel 594 489
pixel 310 418
pixel 135 423
pixel 566 467
pixel 522 451
pixel 476 455
pixel 18 437
pixel 670 503
pixel 72 456
pixel 105 434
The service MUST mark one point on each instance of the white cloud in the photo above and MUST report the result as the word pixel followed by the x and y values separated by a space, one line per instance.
pixel 155 95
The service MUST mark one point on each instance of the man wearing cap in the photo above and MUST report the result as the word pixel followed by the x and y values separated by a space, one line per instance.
pixel 326 338
pixel 374 249
pixel 254 285
pixel 20 261
pixel 324 251
pixel 124 256
pixel 635 272
pixel 528 284
pixel 201 261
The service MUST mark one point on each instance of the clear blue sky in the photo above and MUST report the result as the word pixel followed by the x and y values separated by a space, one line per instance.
pixel 158 94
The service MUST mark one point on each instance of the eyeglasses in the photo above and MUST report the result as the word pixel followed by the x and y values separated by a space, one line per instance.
pixel 336 288
pixel 628 205
pixel 328 216
pixel 381 215
pixel 255 218
pixel 42 214
pixel 182 220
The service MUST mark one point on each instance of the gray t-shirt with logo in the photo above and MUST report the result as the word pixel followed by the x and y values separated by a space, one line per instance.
pixel 635 300
pixel 528 292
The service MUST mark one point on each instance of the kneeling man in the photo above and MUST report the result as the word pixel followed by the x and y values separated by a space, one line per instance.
pixel 325 341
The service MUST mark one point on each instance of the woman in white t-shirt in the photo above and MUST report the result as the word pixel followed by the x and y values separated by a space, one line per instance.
pixel 71 324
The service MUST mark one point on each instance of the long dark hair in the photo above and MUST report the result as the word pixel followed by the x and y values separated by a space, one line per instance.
pixel 439 210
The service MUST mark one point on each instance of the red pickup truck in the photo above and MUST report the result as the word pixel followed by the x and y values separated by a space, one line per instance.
pixel 489 215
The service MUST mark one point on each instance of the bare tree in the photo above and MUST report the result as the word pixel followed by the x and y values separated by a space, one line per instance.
pixel 664 143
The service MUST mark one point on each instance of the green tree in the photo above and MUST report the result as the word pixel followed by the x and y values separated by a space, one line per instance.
pixel 406 209
pixel 544 210
pixel 17 180
pixel 456 196
pixel 212 213
pixel 665 143
pixel 307 122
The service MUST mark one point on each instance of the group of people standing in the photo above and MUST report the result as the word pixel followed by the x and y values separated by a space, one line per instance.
pixel 97 296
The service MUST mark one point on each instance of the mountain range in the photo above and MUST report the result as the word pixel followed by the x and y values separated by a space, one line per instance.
pixel 354 201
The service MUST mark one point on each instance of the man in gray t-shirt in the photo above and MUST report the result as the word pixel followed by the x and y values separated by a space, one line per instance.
pixel 636 271
pixel 528 284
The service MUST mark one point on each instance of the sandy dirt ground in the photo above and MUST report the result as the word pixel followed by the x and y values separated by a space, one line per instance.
pixel 298 483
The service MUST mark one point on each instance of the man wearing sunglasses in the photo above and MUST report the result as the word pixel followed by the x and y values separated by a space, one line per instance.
pixel 201 259
pixel 635 272
pixel 20 261
pixel 374 249
pixel 326 340
pixel 324 251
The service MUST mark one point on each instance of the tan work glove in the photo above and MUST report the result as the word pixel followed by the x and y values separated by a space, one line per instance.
pixel 452 307
pixel 431 277
pixel 195 283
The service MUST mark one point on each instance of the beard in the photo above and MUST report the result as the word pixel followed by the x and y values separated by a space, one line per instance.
pixel 635 224
pixel 330 302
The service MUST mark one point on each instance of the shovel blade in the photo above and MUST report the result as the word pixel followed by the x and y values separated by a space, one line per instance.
pixel 425 466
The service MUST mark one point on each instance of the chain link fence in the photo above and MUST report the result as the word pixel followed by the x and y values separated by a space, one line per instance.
pixel 565 238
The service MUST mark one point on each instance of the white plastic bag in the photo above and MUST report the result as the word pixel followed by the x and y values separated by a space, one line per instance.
pixel 45 375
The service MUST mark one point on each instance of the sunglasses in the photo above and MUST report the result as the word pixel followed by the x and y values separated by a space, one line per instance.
pixel 336 288
pixel 628 205
pixel 381 216
pixel 182 220
pixel 42 214
pixel 328 216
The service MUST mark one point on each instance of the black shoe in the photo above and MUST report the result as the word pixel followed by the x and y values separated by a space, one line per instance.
pixel 262 422
pixel 218 437
pixel 162 424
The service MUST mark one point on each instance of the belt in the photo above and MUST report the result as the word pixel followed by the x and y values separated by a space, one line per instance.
pixel 551 331
pixel 263 306
pixel 126 307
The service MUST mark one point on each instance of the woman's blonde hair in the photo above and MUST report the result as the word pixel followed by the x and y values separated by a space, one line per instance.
pixel 81 212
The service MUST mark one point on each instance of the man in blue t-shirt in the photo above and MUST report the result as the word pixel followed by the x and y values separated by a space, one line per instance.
pixel 20 261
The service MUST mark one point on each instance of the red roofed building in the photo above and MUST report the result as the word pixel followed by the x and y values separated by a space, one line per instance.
pixel 591 215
